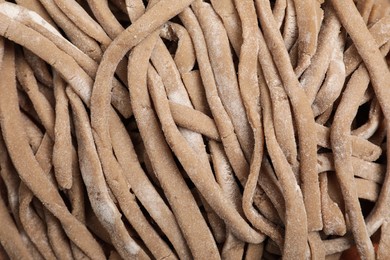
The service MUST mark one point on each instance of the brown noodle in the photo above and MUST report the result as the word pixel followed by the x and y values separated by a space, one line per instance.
pixel 171 129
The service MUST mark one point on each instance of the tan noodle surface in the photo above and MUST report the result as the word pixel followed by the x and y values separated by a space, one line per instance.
pixel 194 129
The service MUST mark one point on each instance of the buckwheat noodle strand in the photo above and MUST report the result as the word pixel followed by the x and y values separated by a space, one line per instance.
pixel 196 129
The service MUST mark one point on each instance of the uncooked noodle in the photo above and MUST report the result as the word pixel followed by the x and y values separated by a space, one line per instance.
pixel 194 129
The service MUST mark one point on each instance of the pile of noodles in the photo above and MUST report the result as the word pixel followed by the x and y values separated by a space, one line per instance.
pixel 190 129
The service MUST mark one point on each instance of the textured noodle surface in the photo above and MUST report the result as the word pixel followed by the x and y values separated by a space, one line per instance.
pixel 194 129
